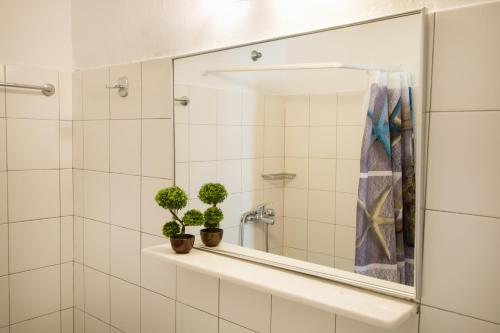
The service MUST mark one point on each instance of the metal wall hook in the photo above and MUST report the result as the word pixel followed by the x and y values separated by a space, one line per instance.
pixel 255 55
pixel 122 86
pixel 183 100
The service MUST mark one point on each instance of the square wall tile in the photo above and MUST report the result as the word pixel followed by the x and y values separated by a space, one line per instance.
pixel 189 320
pixel 228 327
pixel 244 306
pixel 477 26
pixel 4 301
pixel 202 143
pixel 322 142
pixel 253 108
pixel 347 177
pixel 157 90
pixel 299 166
pixel 34 293
pixel 198 290
pixel 251 174
pixel 4 249
pixel 228 142
pixel 34 105
pixel 181 111
pixel 435 320
pixel 125 146
pixel 126 201
pixel 65 95
pixel 97 292
pixel 322 174
pixel 156 275
pixel 79 321
pixel 321 238
pixel 2 92
pixel 44 324
pixel 78 192
pixel 125 306
pixel 152 215
pixel 78 286
pixel 3 144
pixel 232 210
pixel 295 233
pixel 202 105
pixel 252 142
pixel 274 141
pixel 345 325
pixel 34 244
pixel 181 143
pixel 93 325
pixel 229 105
pixel 66 180
pixel 78 230
pixel 3 197
pixel 296 203
pixel 199 174
pixel 275 111
pixel 32 144
pixel 229 174
pixel 451 135
pixel 66 144
pixel 96 145
pixel 77 144
pixel 33 194
pixel 321 206
pixel 350 108
pixel 345 240
pixel 297 142
pixel 157 148
pixel 67 285
pixel 67 238
pixel 76 100
pixel 349 139
pixel 323 110
pixel 291 317
pixel 465 245
pixel 96 245
pixel 344 264
pixel 321 259
pixel 125 254
pixel 157 313
pixel 96 195
pixel 95 94
pixel 290 252
pixel 345 209
pixel 67 321
pixel 297 111
pixel 126 107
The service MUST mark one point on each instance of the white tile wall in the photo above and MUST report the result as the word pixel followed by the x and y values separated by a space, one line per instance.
pixel 198 291
pixel 125 306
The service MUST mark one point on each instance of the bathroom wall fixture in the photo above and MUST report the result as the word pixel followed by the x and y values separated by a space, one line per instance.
pixel 122 86
pixel 183 100
pixel 47 89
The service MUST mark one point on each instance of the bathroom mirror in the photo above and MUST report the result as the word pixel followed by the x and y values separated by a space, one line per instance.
pixel 318 140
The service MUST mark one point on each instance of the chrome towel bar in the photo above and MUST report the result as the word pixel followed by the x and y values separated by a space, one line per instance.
pixel 47 89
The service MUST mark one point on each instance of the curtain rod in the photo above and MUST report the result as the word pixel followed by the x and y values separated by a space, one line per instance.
pixel 315 65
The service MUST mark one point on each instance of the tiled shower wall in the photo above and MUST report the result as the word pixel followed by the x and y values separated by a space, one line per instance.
pixel 36 204
pixel 322 146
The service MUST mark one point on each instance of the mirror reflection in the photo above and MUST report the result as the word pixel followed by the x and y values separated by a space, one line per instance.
pixel 318 158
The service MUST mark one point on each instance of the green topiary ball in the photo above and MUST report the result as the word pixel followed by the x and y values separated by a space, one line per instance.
pixel 213 216
pixel 171 229
pixel 171 198
pixel 193 217
pixel 212 193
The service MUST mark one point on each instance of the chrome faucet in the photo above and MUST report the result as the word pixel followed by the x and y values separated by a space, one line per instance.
pixel 261 214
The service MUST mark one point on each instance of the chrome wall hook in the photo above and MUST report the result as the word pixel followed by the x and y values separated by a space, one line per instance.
pixel 122 86
pixel 183 100
pixel 255 55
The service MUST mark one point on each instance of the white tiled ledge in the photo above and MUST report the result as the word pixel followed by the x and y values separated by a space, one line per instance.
pixel 361 305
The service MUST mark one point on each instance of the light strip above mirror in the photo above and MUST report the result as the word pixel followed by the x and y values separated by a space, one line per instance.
pixel 313 65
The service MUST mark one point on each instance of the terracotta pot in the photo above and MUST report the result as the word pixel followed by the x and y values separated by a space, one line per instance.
pixel 211 236
pixel 182 243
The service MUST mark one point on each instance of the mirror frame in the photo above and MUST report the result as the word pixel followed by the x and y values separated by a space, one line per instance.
pixel 412 293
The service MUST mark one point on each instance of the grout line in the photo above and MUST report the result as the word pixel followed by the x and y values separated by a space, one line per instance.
pixel 461 213
pixel 9 264
pixel 60 196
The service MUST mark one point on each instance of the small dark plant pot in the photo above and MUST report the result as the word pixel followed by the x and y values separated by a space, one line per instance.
pixel 211 236
pixel 182 243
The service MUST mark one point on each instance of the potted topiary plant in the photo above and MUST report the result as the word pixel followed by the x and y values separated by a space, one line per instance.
pixel 212 194
pixel 174 199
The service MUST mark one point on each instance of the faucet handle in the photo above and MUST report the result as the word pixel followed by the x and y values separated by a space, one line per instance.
pixel 262 209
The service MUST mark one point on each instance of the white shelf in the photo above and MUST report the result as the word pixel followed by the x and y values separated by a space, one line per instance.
pixel 358 304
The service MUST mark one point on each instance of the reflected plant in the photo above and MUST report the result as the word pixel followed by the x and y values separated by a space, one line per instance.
pixel 212 194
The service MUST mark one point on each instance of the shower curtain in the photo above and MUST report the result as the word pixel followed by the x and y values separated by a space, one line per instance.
pixel 385 220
